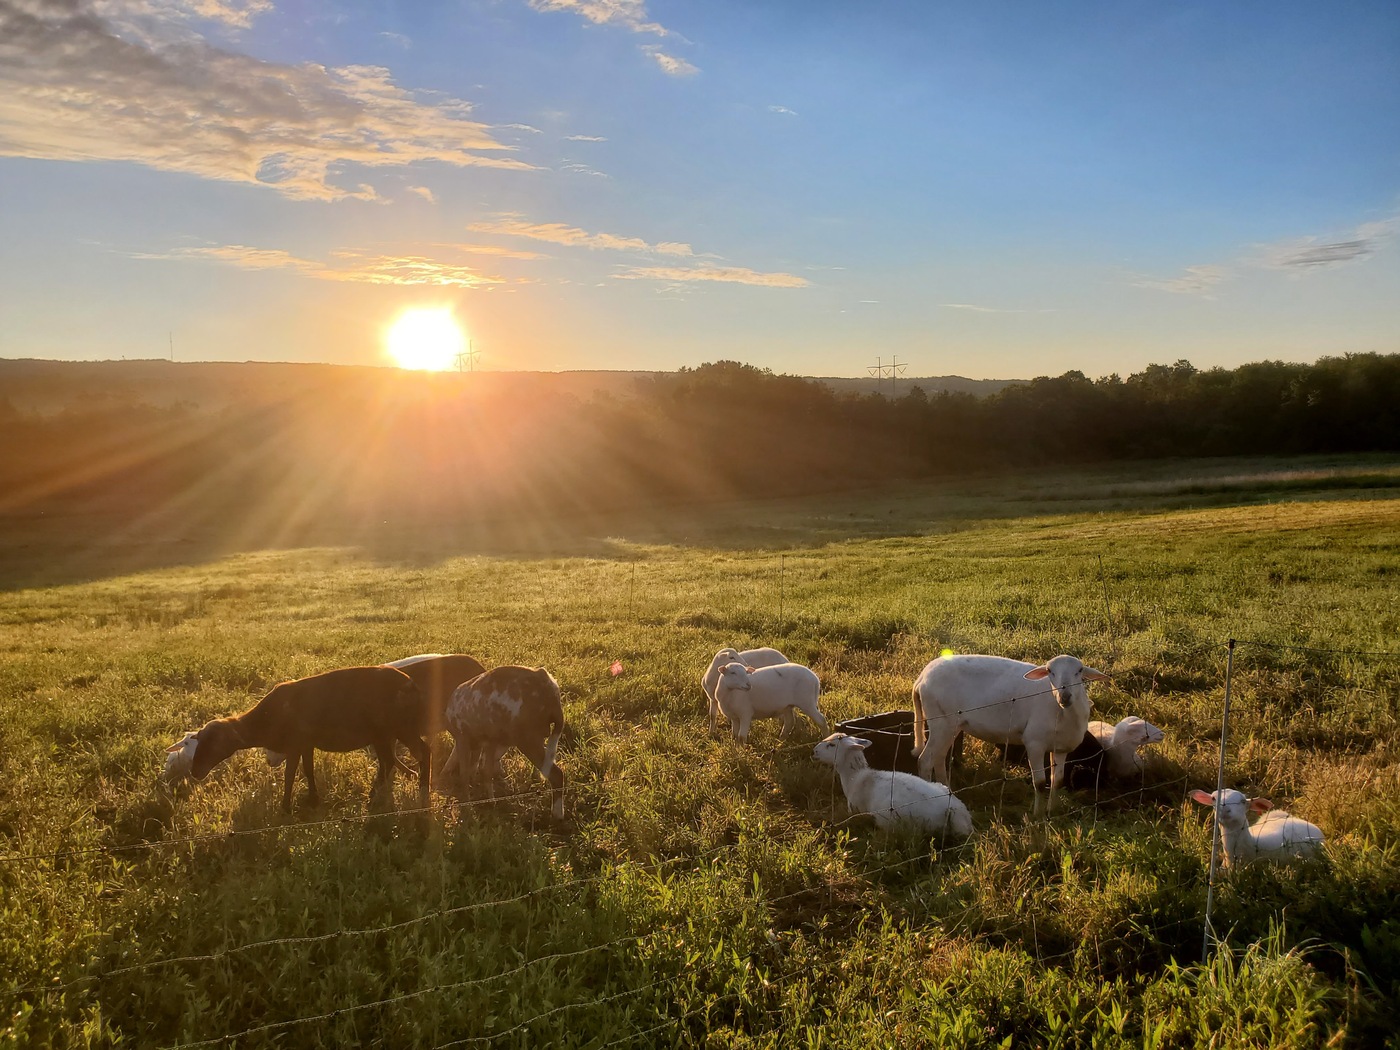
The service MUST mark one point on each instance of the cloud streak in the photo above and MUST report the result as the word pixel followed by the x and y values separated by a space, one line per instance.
pixel 348 265
pixel 573 237
pixel 723 274
pixel 76 86
pixel 630 14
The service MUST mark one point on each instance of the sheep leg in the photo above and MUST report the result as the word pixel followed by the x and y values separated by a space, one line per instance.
pixel 741 728
pixel 310 770
pixel 714 716
pixel 933 759
pixel 384 777
pixel 788 718
pixel 493 769
pixel 535 752
pixel 423 755
pixel 289 778
pixel 1036 756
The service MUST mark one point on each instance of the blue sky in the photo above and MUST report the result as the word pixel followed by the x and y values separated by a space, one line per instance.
pixel 988 189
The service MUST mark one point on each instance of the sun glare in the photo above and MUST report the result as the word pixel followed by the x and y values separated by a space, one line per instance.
pixel 427 339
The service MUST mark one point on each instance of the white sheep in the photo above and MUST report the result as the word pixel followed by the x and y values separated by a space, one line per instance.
pixel 764 657
pixel 1275 837
pixel 1121 742
pixel 744 693
pixel 993 698
pixel 888 796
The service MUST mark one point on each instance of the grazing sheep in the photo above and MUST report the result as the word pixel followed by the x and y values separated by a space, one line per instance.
pixel 508 707
pixel 991 697
pixel 891 797
pixel 1276 837
pixel 342 710
pixel 436 676
pixel 744 693
pixel 749 657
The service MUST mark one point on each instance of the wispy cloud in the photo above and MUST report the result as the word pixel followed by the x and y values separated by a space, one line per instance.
pixel 397 38
pixel 423 192
pixel 347 264
pixel 670 64
pixel 77 86
pixel 1299 256
pixel 724 274
pixel 1194 280
pixel 629 13
pixel 572 236
pixel 233 14
pixel 496 250
pixel 520 127
pixel 583 169
pixel 782 111
pixel 585 138
pixel 974 308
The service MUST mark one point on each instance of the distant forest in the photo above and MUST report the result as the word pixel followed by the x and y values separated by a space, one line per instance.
pixel 361 443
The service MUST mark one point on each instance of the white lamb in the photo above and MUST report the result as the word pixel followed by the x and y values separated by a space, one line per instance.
pixel 1276 837
pixel 891 797
pixel 1121 742
pixel 764 657
pixel 744 693
pixel 1045 707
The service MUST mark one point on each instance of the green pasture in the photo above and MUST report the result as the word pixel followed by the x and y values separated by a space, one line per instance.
pixel 701 893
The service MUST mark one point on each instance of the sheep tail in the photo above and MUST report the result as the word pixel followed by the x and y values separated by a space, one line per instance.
pixel 920 727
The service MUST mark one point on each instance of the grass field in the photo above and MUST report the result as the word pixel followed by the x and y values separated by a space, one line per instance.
pixel 701 893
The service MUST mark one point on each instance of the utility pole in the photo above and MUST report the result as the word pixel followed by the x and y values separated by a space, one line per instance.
pixel 466 360
pixel 172 346
pixel 893 370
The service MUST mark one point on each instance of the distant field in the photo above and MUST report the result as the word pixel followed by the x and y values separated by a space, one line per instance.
pixel 701 893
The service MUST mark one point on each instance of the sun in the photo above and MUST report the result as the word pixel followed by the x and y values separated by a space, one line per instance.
pixel 425 338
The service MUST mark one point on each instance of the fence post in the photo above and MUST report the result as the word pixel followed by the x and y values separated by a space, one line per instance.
pixel 782 588
pixel 1209 934
pixel 631 586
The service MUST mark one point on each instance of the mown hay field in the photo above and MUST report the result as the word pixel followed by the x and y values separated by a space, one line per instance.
pixel 702 893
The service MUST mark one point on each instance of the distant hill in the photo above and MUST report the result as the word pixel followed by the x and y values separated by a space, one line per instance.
pixel 47 387
pixel 929 385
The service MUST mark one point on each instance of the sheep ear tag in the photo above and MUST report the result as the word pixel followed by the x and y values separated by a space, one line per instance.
pixel 1203 797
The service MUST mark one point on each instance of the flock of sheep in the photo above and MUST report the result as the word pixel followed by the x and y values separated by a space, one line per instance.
pixel 1041 707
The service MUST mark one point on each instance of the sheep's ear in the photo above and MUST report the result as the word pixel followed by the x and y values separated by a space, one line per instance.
pixel 1205 798
pixel 175 747
pixel 1260 805
pixel 1035 674
pixel 1090 675
pixel 751 670
pixel 861 742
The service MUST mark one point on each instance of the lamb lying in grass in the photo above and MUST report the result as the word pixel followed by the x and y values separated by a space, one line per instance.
pixel 1276 837
pixel 892 797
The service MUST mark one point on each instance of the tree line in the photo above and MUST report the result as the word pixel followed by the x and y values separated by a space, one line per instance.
pixel 376 443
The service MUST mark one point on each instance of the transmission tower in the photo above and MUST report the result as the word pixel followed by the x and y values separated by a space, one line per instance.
pixel 466 360
pixel 891 371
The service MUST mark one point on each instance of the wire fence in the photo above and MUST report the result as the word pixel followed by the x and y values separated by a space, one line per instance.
pixel 974 920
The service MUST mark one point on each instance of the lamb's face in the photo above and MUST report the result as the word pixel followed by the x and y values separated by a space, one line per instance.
pixel 216 741
pixel 1234 807
pixel 724 656
pixel 837 747
pixel 735 676
pixel 1067 677
pixel 1133 733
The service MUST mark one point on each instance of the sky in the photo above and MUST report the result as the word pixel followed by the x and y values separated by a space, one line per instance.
pixel 975 187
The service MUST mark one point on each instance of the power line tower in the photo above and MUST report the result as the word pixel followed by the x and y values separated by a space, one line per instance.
pixel 466 360
pixel 891 371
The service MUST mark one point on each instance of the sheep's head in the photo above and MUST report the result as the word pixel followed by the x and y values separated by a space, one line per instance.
pixel 838 747
pixel 735 676
pixel 1133 732
pixel 724 656
pixel 1235 807
pixel 1067 677
pixel 214 743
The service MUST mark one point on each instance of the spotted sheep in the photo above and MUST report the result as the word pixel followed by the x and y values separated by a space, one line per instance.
pixel 507 707
pixel 996 699
pixel 342 710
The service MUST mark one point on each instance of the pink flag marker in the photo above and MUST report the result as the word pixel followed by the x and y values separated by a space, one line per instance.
pixel 616 668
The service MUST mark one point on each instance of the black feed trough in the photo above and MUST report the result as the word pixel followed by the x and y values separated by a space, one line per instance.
pixel 891 734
